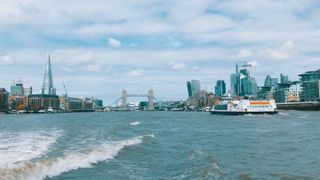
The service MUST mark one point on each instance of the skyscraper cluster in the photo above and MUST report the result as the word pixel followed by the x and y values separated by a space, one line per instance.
pixel 242 83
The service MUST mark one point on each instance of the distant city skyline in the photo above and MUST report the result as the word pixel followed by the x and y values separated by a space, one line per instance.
pixel 98 50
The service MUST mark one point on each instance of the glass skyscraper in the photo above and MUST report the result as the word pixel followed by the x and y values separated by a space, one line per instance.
pixel 235 84
pixel 189 89
pixel 17 89
pixel 268 81
pixel 220 88
pixel 242 83
pixel 284 79
pixel 193 87
pixel 249 86
pixel 47 85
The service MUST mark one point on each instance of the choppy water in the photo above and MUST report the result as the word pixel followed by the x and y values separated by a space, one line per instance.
pixel 160 145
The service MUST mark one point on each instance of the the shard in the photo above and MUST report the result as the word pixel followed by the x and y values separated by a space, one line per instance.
pixel 47 86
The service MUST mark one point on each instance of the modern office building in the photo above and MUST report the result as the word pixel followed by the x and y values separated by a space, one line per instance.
pixel 242 82
pixel 97 104
pixel 189 88
pixel 3 100
pixel 310 81
pixel 18 97
pixel 76 104
pixel 220 88
pixel 268 81
pixel 235 84
pixel 281 93
pixel 285 91
pixel 17 89
pixel 195 86
pixel 275 82
pixel 294 92
pixel 249 86
pixel 284 79
pixel 265 93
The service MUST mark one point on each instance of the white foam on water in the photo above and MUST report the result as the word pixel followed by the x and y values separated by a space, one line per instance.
pixel 70 161
pixel 135 123
pixel 150 135
pixel 305 116
pixel 195 153
pixel 283 114
pixel 17 148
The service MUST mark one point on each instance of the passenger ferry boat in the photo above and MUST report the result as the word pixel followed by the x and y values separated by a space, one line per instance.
pixel 241 107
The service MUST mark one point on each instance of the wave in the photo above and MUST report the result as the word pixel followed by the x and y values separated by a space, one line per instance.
pixel 135 123
pixel 283 114
pixel 17 148
pixel 70 161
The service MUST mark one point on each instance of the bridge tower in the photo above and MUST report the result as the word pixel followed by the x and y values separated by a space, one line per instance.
pixel 150 100
pixel 124 98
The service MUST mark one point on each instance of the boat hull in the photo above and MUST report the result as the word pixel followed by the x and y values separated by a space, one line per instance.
pixel 242 113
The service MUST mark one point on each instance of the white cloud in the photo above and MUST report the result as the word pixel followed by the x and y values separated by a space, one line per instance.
pixel 205 34
pixel 6 59
pixel 288 45
pixel 195 68
pixel 277 54
pixel 284 52
pixel 114 42
pixel 244 53
pixel 253 63
pixel 177 65
pixel 93 68
pixel 135 73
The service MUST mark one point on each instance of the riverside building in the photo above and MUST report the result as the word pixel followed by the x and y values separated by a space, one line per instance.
pixel 310 81
pixel 294 92
pixel 76 104
pixel 3 100
pixel 18 99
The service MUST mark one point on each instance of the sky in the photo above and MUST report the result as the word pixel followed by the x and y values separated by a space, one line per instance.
pixel 100 47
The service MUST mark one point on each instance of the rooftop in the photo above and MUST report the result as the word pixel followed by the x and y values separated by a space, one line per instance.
pixel 310 72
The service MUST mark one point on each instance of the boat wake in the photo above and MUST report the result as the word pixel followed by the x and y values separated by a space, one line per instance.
pixel 17 148
pixel 135 123
pixel 69 161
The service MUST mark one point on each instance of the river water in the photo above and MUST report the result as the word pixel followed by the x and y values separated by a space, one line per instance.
pixel 160 145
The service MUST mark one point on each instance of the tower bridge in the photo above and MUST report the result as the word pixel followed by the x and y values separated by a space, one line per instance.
pixel 125 96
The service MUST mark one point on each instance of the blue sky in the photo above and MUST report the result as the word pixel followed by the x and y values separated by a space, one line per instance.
pixel 99 47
